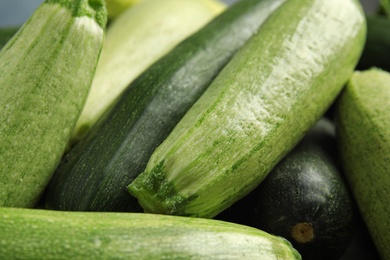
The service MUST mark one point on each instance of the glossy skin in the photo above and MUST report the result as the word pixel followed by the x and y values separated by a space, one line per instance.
pixel 306 200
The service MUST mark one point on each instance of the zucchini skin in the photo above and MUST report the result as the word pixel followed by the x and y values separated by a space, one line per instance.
pixel 260 105
pixel 45 73
pixel 133 42
pixel 45 234
pixel 94 175
pixel 362 125
pixel 306 200
pixel 376 51
pixel 6 34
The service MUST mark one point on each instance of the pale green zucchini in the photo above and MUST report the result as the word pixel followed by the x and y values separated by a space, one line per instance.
pixel 363 135
pixel 45 72
pixel 134 41
pixel 260 105
pixel 44 234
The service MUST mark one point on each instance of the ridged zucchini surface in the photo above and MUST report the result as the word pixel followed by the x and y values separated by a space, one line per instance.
pixel 363 134
pixel 95 174
pixel 260 105
pixel 45 73
pixel 44 234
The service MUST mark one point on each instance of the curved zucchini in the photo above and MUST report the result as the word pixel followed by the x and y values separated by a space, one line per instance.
pixel 44 234
pixel 45 73
pixel 260 105
pixel 306 200
pixel 362 124
pixel 94 175
pixel 6 34
pixel 133 42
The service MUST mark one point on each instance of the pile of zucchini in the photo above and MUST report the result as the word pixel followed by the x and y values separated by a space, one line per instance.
pixel 194 130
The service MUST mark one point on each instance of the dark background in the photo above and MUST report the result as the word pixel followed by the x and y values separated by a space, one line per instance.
pixel 15 12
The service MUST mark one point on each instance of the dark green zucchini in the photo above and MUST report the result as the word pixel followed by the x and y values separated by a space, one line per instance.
pixel 94 175
pixel 376 52
pixel 6 33
pixel 306 200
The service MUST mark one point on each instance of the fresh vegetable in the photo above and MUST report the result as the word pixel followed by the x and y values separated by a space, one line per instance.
pixel 95 173
pixel 260 105
pixel 376 51
pixel 6 34
pixel 362 124
pixel 45 73
pixel 134 41
pixel 45 234
pixel 305 199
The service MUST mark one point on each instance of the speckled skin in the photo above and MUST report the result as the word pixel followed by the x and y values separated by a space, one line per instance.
pixel 96 172
pixel 274 89
pixel 45 234
pixel 45 73
pixel 363 116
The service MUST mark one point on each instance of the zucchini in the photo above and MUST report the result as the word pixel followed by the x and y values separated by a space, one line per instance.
pixel 306 200
pixel 95 173
pixel 45 72
pixel 45 234
pixel 134 41
pixel 260 105
pixel 362 124
pixel 376 51
pixel 6 34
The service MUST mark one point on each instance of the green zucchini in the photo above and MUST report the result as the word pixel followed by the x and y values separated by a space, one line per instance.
pixel 45 73
pixel 6 34
pixel 95 173
pixel 45 234
pixel 134 41
pixel 362 124
pixel 260 105
pixel 306 200
pixel 376 51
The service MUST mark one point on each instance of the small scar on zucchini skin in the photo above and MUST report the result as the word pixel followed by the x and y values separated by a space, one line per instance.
pixel 302 232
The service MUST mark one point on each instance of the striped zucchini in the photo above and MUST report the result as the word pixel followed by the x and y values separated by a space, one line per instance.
pixel 134 41
pixel 363 134
pixel 45 234
pixel 260 105
pixel 94 175
pixel 45 73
